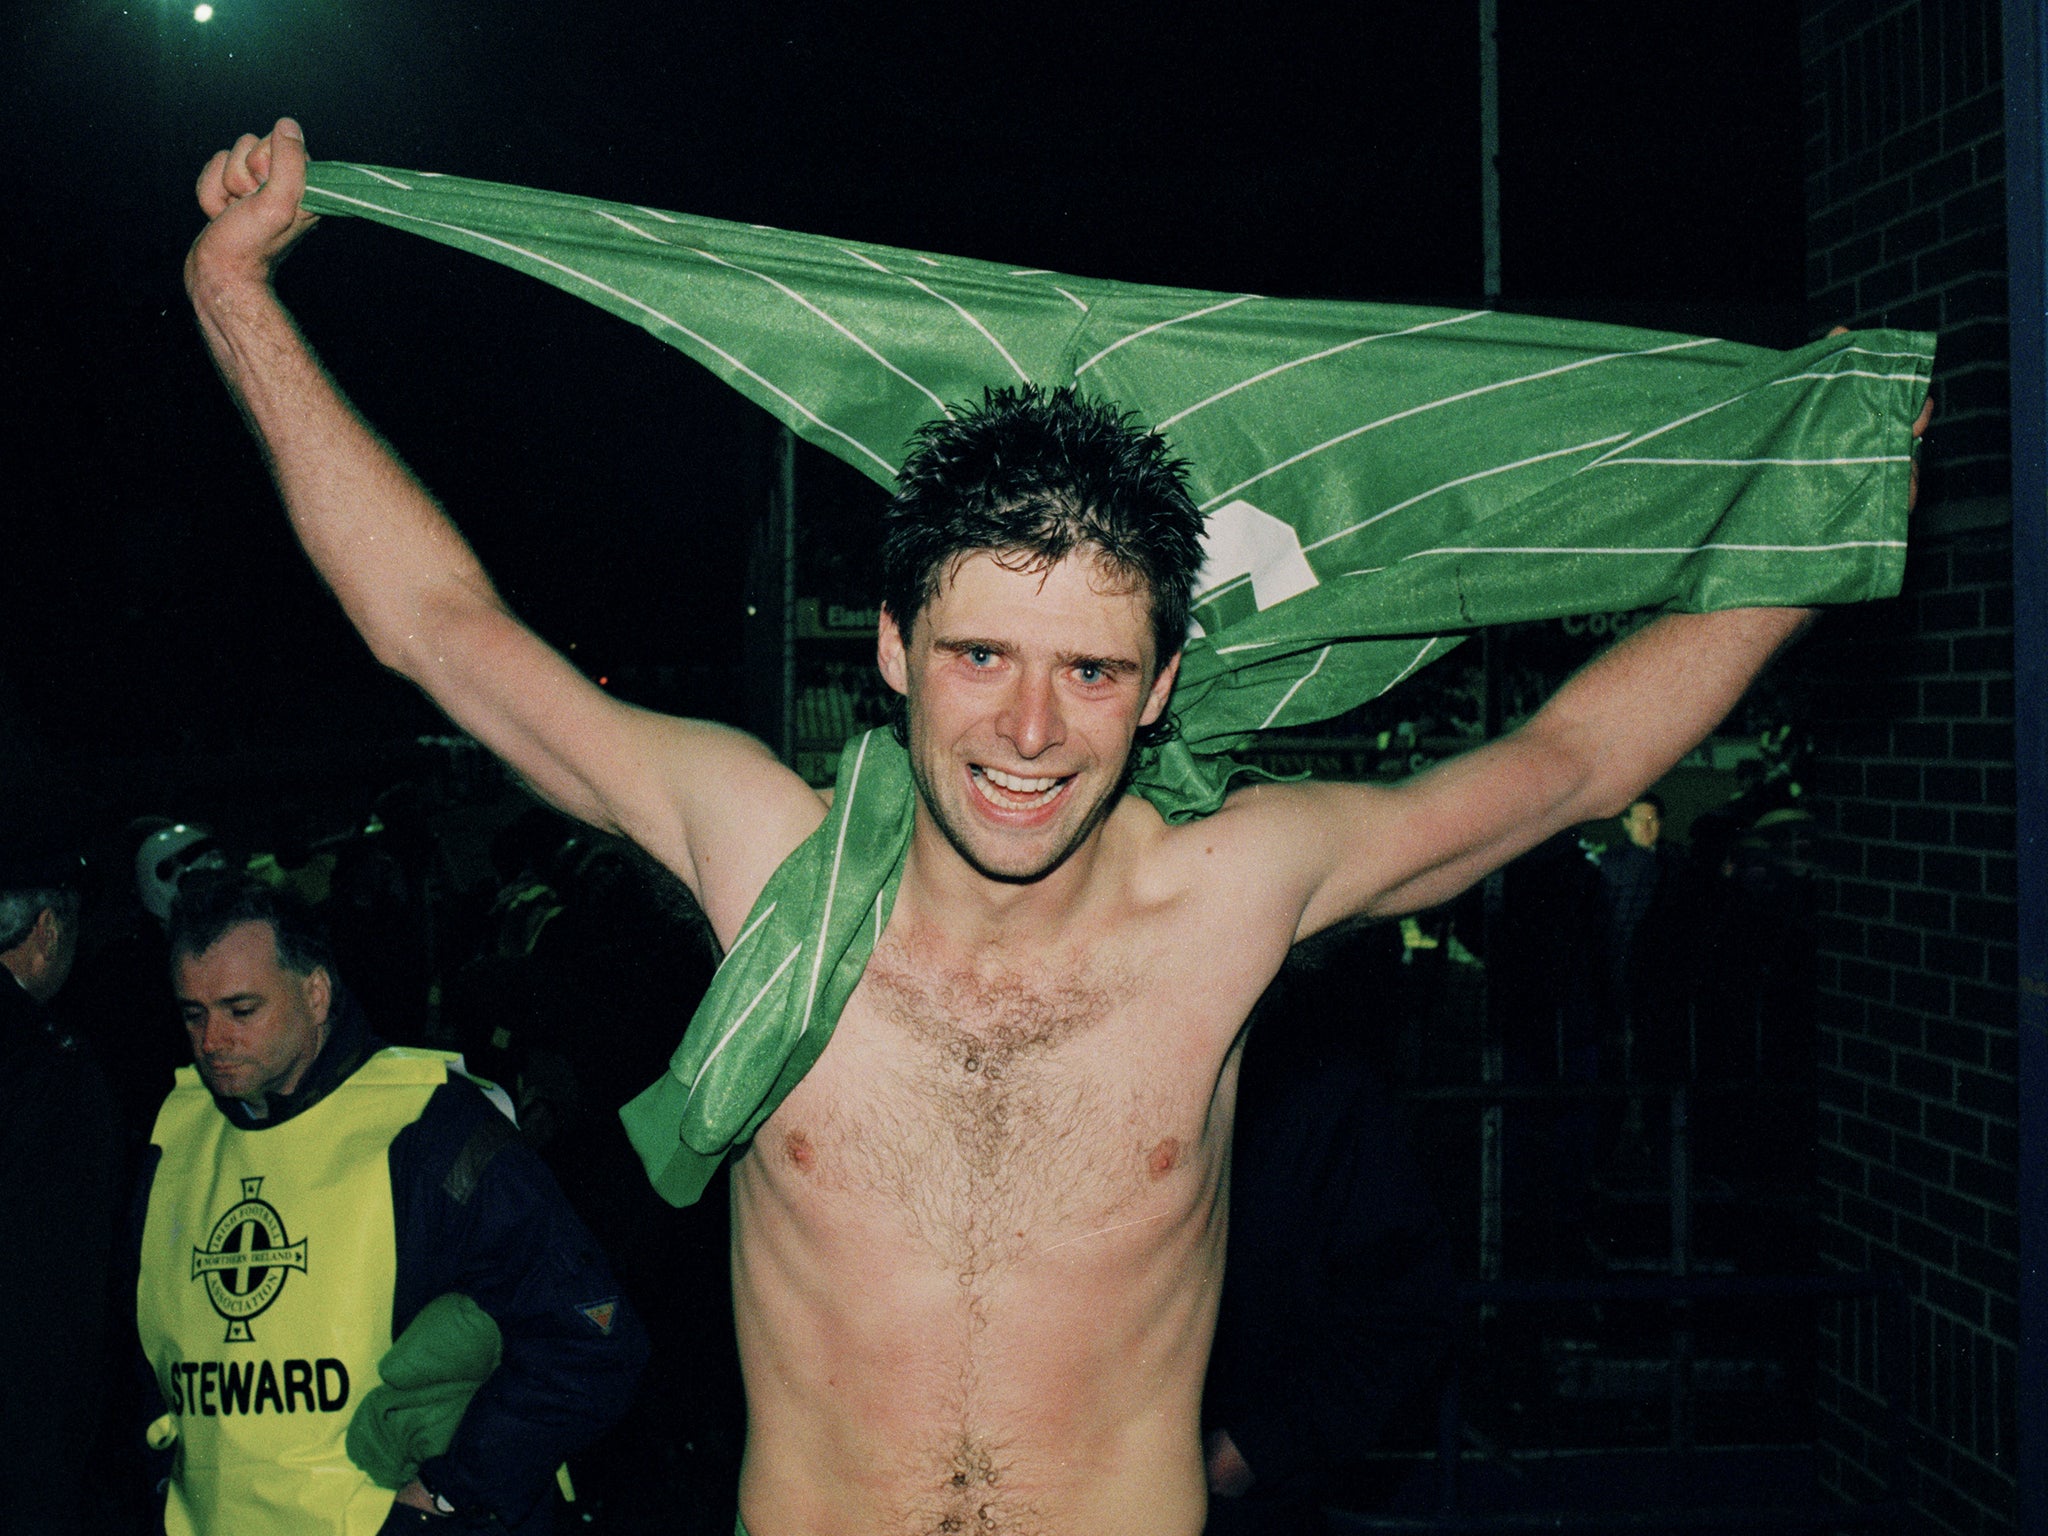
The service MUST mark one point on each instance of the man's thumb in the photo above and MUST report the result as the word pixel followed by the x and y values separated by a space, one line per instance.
pixel 287 158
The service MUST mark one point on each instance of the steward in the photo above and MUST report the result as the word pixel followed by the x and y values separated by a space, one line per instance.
pixel 310 1189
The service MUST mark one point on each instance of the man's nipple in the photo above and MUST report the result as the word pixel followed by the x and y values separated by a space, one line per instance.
pixel 796 1146
pixel 1164 1158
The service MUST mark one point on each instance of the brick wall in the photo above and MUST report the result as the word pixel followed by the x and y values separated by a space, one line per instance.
pixel 1914 779
pixel 1918 1142
pixel 1905 182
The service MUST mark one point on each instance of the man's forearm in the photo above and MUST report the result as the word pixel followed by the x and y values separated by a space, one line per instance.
pixel 1614 729
pixel 1633 712
pixel 371 529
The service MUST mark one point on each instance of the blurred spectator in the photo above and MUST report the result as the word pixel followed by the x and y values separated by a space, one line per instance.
pixel 503 999
pixel 116 999
pixel 381 936
pixel 1653 919
pixel 165 856
pixel 59 1182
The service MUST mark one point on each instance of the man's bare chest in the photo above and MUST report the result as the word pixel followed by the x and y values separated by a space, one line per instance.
pixel 993 1112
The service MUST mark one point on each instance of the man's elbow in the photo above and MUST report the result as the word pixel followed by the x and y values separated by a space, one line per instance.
pixel 439 633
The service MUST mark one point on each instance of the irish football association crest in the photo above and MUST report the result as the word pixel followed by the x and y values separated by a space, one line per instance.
pixel 245 1260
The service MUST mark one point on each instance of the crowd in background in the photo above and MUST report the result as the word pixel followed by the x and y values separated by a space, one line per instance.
pixel 563 965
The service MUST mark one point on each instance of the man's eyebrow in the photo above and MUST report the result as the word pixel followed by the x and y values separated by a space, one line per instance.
pixel 231 998
pixel 1118 666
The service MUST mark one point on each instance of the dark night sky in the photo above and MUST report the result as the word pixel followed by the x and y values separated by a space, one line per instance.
pixel 150 593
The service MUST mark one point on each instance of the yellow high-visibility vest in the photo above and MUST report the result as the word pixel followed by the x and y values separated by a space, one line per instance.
pixel 264 1302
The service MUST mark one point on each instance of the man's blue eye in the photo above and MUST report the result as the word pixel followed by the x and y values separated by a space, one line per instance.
pixel 1091 674
pixel 980 655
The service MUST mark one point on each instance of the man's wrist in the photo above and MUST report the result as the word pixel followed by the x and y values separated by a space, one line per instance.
pixel 216 284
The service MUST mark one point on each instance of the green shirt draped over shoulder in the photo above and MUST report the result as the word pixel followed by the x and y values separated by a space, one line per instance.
pixel 1378 480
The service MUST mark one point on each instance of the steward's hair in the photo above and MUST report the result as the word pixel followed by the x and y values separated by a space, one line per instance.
pixel 1031 475
pixel 211 901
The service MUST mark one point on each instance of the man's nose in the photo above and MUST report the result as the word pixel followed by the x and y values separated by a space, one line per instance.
pixel 1031 720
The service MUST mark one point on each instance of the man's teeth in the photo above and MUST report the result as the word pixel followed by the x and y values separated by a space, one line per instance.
pixel 1012 791
pixel 1017 785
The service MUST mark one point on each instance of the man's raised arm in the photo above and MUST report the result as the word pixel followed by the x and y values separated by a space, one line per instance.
pixel 711 803
pixel 1619 725
pixel 1616 727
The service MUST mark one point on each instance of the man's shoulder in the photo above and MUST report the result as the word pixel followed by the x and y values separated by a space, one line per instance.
pixel 1255 853
pixel 729 814
pixel 461 1106
pixel 459 1135
pixel 1302 852
pixel 1267 818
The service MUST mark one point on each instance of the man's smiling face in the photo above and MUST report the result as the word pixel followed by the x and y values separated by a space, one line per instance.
pixel 1025 687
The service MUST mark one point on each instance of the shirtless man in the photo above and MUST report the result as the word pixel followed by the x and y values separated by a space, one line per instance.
pixel 977 1251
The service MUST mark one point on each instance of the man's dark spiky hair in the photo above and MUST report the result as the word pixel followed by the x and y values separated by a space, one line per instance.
pixel 1038 474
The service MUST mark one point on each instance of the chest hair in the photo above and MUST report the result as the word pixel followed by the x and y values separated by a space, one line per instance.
pixel 1003 1120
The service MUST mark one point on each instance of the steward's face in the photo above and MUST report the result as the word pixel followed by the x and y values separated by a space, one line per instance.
pixel 1024 690
pixel 255 1026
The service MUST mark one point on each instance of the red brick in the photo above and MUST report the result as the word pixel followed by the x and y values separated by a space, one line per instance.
pixel 1987 918
pixel 1962 873
pixel 1961 1043
pixel 1960 959
pixel 1926 1242
pixel 1967 1219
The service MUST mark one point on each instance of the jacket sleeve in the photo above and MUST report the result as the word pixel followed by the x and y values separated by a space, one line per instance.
pixel 477 1212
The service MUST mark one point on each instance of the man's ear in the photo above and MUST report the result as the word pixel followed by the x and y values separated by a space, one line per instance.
pixel 889 653
pixel 41 941
pixel 1162 690
pixel 319 993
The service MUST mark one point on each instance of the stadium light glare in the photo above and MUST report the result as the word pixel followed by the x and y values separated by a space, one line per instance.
pixel 202 13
